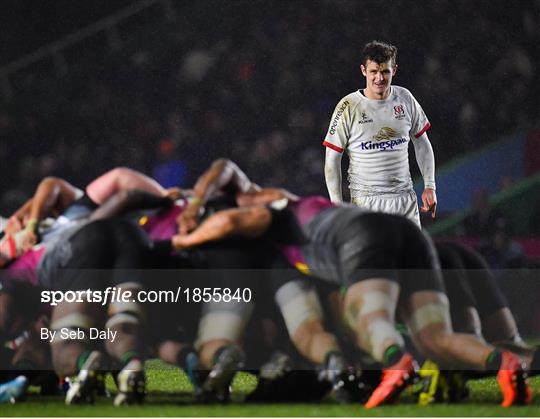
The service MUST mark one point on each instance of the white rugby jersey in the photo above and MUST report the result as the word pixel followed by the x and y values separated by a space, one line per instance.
pixel 376 134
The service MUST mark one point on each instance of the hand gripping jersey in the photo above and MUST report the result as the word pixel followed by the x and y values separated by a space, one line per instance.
pixel 375 134
pixel 162 226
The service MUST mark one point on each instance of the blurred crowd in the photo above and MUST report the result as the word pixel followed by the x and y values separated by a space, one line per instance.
pixel 257 82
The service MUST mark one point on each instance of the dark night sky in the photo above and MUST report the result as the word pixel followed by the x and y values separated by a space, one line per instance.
pixel 26 25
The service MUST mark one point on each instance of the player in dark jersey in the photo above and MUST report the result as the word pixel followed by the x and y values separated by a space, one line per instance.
pixel 378 258
pixel 54 196
pixel 296 297
pixel 22 353
pixel 477 306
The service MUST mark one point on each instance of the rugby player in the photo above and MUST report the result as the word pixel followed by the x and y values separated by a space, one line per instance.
pixel 54 197
pixel 478 307
pixel 297 299
pixel 378 258
pixel 374 127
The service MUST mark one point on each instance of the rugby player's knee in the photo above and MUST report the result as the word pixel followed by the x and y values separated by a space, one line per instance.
pixel 169 351
pixel 300 308
pixel 126 307
pixel 305 333
pixel 223 321
pixel 209 349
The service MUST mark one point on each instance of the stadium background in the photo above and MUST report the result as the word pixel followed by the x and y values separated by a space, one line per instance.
pixel 165 87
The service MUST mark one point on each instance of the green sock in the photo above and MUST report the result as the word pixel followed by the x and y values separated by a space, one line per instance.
pixel 81 359
pixel 494 359
pixel 129 356
pixel 392 355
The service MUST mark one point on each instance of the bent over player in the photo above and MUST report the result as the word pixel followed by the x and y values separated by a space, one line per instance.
pixel 374 126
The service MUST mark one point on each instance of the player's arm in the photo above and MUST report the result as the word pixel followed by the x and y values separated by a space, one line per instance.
pixel 332 175
pixel 130 200
pixel 264 196
pixel 53 195
pixel 248 222
pixel 426 162
pixel 222 174
pixel 336 142
pixel 120 179
pixel 18 219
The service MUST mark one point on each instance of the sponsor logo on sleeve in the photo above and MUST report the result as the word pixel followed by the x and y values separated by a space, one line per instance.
pixel 336 119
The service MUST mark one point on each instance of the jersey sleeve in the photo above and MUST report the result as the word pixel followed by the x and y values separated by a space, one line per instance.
pixel 420 123
pixel 339 130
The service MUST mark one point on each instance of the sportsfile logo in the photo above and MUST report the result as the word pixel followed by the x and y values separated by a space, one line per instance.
pixel 338 117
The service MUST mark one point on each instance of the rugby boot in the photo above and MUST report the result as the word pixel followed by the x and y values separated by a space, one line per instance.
pixel 13 390
pixel 216 387
pixel 513 381
pixel 195 375
pixel 394 380
pixel 340 378
pixel 131 384
pixel 457 389
pixel 83 388
pixel 270 378
pixel 436 386
pixel 431 384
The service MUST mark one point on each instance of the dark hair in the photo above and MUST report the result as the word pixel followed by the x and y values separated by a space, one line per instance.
pixel 379 52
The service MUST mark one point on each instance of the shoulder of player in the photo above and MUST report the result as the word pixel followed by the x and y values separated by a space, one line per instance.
pixel 402 92
pixel 350 101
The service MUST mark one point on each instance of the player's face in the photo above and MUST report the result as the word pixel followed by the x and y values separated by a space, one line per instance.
pixel 378 78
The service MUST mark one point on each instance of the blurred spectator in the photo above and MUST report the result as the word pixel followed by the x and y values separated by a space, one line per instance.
pixel 483 218
pixel 501 252
pixel 170 170
pixel 258 84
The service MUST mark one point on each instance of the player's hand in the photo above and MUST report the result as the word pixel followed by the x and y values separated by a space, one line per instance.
pixel 188 220
pixel 178 242
pixel 174 193
pixel 29 239
pixel 13 225
pixel 429 201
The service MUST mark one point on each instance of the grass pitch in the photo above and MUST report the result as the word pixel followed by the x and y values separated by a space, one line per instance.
pixel 170 395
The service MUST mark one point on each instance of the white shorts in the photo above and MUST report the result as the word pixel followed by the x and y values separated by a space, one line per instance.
pixel 404 203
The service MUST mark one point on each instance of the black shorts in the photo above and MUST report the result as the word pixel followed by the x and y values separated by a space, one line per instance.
pixel 98 255
pixel 469 280
pixel 80 208
pixel 376 245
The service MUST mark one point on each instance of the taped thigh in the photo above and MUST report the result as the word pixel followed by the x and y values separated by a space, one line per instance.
pixel 71 323
pixel 429 314
pixel 131 307
pixel 298 302
pixel 381 332
pixel 225 321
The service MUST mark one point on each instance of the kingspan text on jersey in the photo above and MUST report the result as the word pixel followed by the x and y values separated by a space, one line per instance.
pixel 383 145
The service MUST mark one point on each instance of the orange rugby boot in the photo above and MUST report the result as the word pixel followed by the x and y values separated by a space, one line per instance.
pixel 394 380
pixel 513 381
